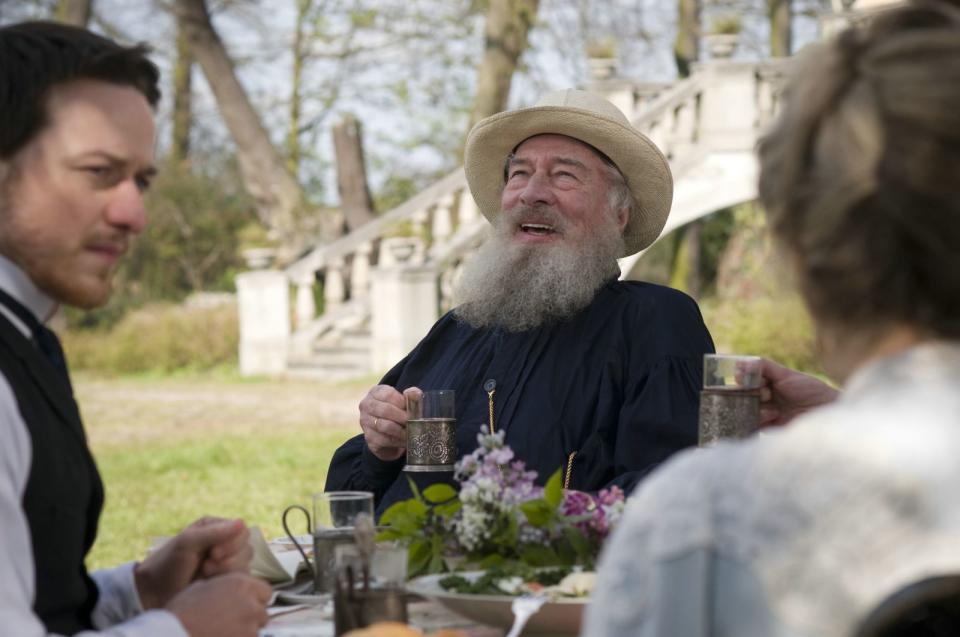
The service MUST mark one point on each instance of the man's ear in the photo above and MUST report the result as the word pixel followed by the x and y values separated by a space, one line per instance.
pixel 623 217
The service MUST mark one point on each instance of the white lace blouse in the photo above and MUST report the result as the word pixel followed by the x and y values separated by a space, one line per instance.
pixel 801 531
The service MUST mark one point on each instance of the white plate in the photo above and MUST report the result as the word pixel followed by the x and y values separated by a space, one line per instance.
pixel 286 544
pixel 300 592
pixel 560 617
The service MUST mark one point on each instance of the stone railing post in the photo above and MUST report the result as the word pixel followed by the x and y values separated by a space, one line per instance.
pixel 334 289
pixel 263 299
pixel 728 110
pixel 419 220
pixel 659 134
pixel 442 219
pixel 467 212
pixel 403 307
pixel 684 132
pixel 306 308
pixel 360 271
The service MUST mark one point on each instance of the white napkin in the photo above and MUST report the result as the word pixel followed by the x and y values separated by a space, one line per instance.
pixel 276 568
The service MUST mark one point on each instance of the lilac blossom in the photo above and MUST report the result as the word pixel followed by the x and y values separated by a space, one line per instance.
pixel 493 485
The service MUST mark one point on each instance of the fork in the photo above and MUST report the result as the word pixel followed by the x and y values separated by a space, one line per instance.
pixel 524 608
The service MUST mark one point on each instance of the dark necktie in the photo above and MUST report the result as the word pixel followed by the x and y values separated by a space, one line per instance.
pixel 47 342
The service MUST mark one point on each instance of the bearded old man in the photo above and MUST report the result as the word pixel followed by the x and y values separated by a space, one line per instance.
pixel 582 372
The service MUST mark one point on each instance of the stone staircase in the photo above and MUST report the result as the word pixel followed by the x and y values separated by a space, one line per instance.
pixel 387 282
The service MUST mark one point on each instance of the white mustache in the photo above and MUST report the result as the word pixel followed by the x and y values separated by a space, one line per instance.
pixel 539 214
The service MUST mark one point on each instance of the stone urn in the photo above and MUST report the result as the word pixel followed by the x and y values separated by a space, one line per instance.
pixel 259 258
pixel 722 46
pixel 400 250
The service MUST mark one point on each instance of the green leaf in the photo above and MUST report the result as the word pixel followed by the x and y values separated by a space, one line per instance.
pixel 418 508
pixel 511 533
pixel 581 545
pixel 436 554
pixel 414 489
pixel 538 512
pixel 389 533
pixel 491 560
pixel 395 511
pixel 418 557
pixel 448 510
pixel 439 493
pixel 553 490
pixel 539 555
pixel 406 518
pixel 565 554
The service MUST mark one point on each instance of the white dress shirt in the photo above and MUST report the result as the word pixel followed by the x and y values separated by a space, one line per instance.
pixel 118 612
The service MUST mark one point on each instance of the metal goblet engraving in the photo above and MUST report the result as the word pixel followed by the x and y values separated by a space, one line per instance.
pixel 431 431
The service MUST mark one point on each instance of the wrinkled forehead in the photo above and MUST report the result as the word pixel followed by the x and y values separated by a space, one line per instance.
pixel 563 144
pixel 560 142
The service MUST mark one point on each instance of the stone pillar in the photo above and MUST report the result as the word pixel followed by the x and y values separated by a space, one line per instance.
pixel 334 287
pixel 728 110
pixel 263 299
pixel 360 271
pixel 442 220
pixel 306 309
pixel 403 308
pixel 468 211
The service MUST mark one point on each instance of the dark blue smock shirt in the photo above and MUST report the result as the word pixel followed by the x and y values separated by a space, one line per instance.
pixel 618 383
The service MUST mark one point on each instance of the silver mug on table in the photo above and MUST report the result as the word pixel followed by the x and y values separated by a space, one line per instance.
pixel 331 526
pixel 358 606
pixel 431 430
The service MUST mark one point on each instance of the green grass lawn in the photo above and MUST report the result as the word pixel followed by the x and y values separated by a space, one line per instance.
pixel 175 462
pixel 157 489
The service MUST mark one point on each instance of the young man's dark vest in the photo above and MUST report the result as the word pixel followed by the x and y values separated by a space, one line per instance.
pixel 64 495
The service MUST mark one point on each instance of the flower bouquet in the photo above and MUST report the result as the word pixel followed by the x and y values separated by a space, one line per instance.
pixel 500 518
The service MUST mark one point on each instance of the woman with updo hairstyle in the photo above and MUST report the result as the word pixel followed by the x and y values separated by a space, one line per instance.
pixel 805 529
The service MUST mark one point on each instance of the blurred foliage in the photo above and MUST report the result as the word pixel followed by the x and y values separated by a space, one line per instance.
pixel 193 239
pixel 716 231
pixel 777 328
pixel 158 337
pixel 656 264
pixel 753 308
pixel 747 297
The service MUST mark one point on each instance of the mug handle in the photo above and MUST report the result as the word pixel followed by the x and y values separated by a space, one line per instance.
pixel 293 538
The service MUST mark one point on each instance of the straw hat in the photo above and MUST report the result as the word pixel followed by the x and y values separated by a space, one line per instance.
pixel 592 120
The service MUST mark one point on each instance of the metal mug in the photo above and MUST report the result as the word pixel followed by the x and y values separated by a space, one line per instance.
pixel 331 526
pixel 357 606
pixel 730 398
pixel 431 430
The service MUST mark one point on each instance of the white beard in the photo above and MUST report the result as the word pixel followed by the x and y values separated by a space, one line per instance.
pixel 519 287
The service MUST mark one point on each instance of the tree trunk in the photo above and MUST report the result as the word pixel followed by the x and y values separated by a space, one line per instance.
pixel 781 38
pixel 507 24
pixel 355 200
pixel 296 82
pixel 182 99
pixel 75 12
pixel 278 196
pixel 686 48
